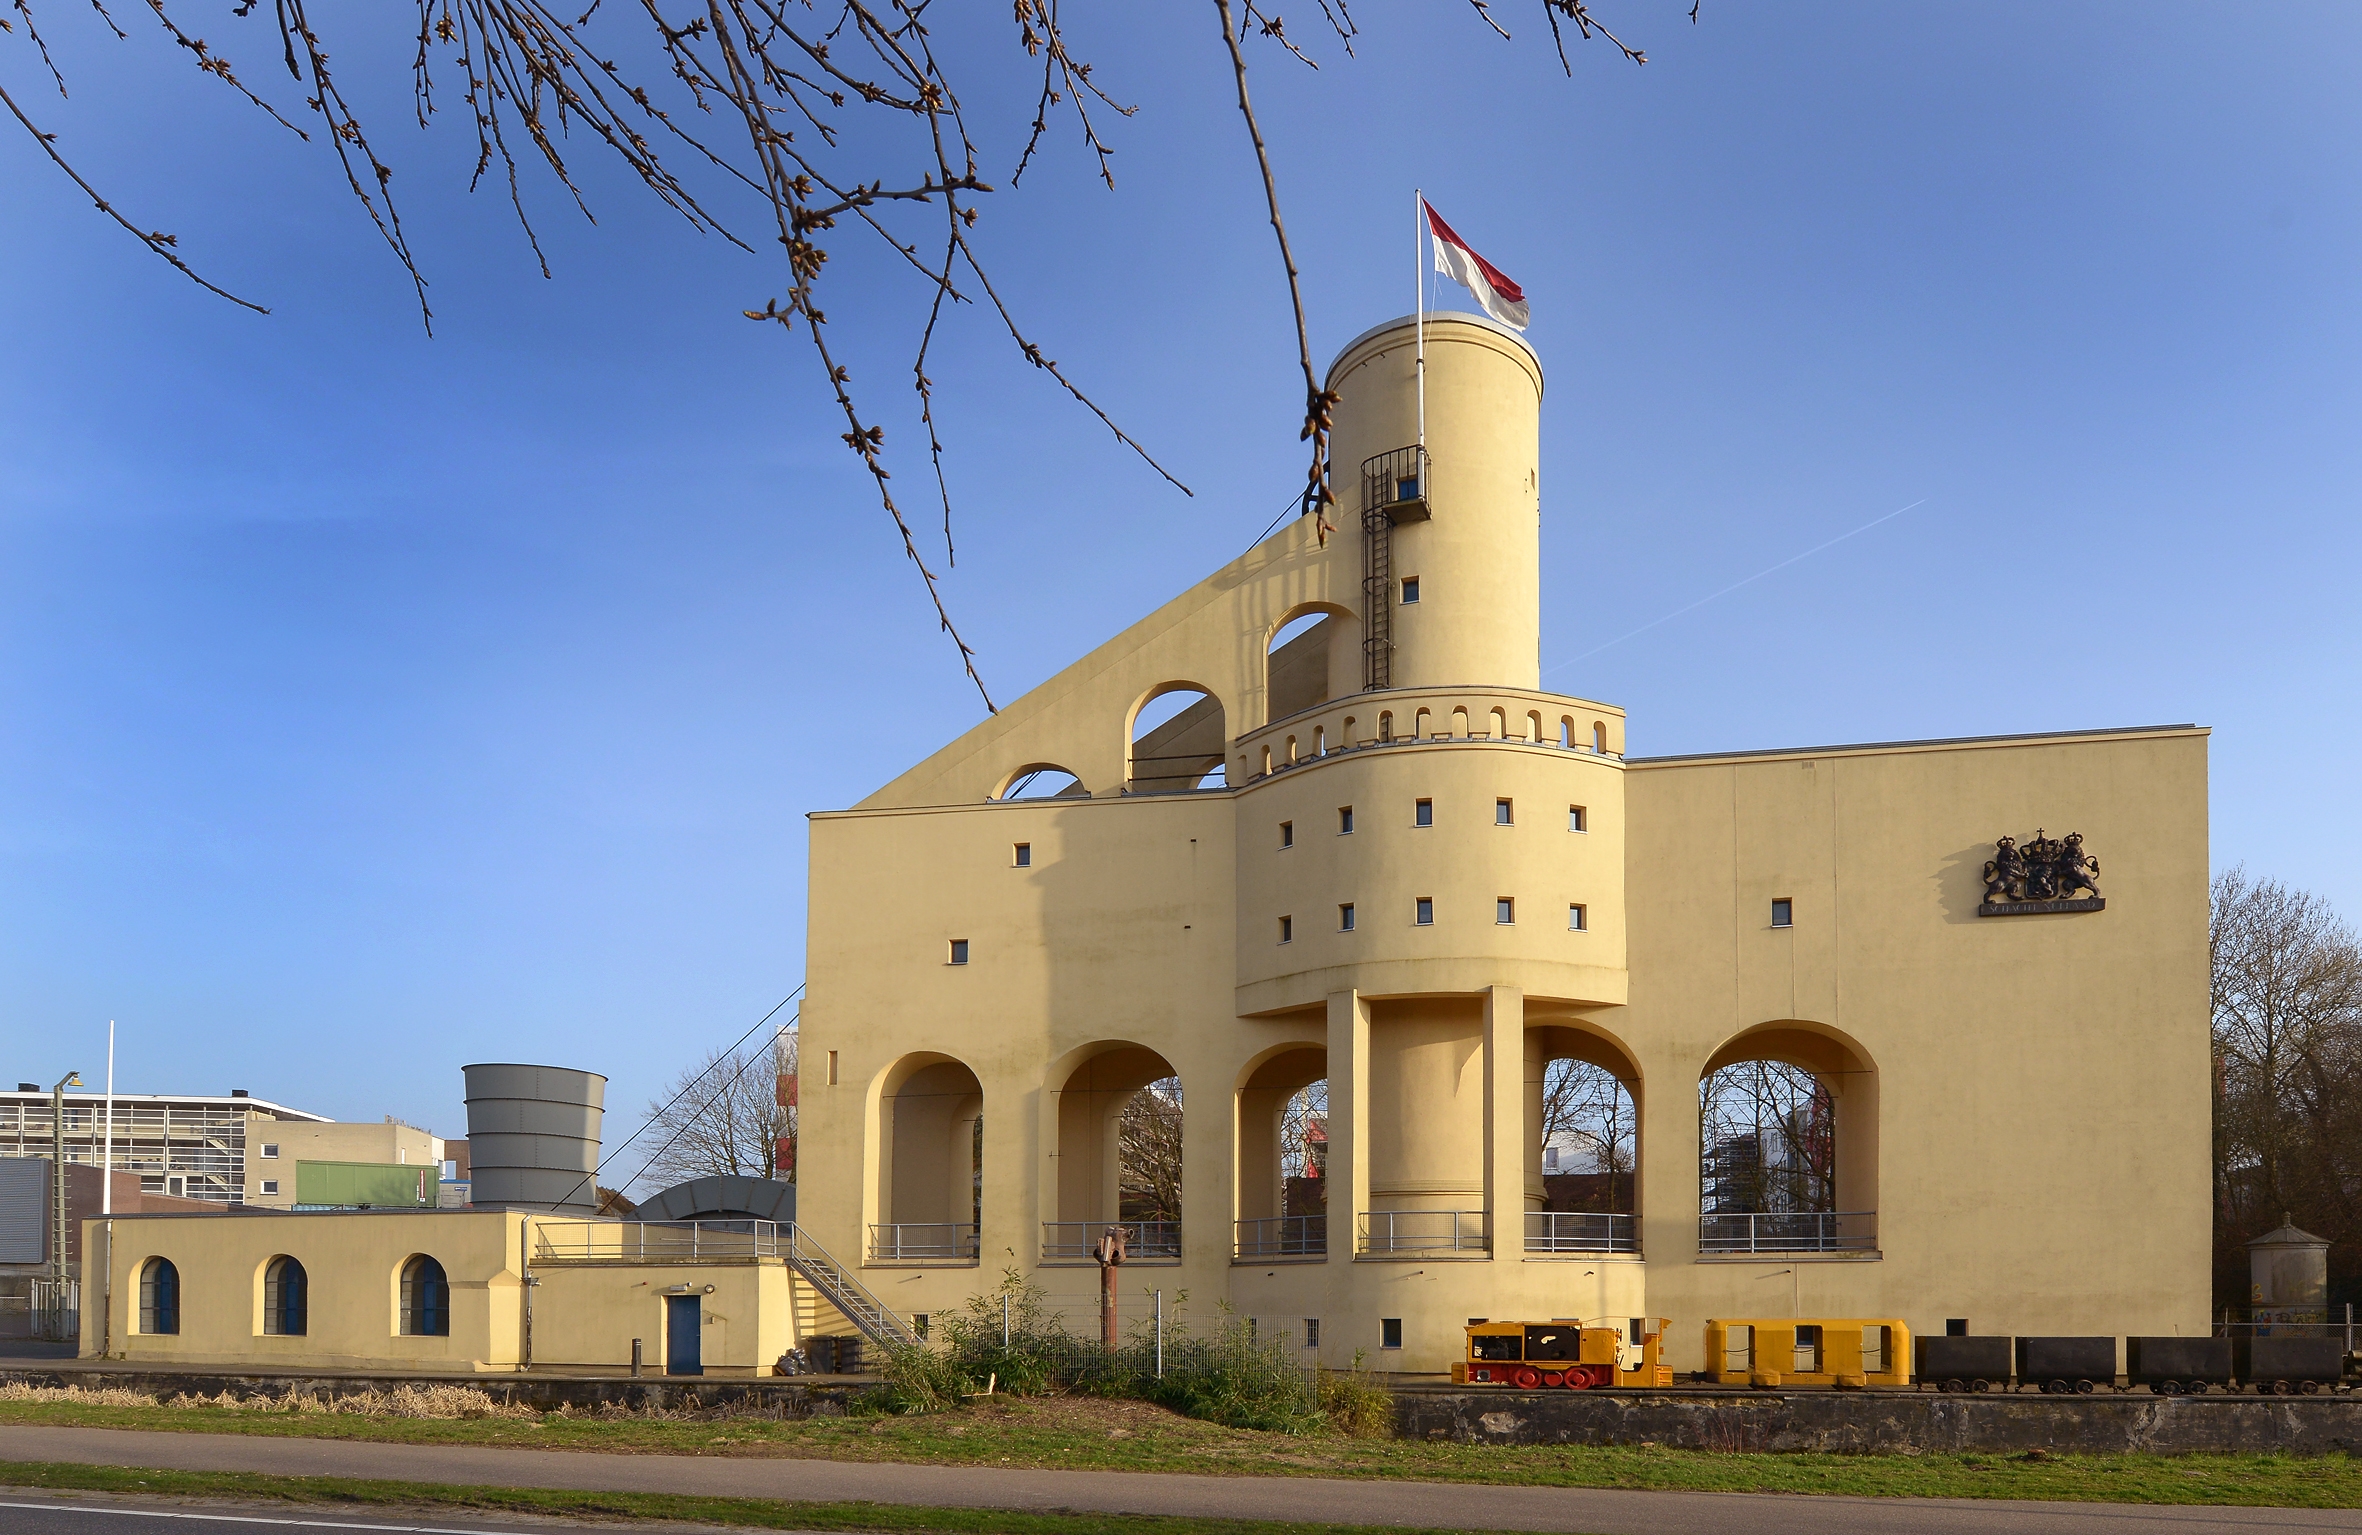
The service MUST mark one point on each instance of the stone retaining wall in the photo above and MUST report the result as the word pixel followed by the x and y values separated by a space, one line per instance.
pixel 1855 1421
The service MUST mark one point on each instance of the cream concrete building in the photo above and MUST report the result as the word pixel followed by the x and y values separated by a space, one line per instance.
pixel 1379 855
pixel 445 1292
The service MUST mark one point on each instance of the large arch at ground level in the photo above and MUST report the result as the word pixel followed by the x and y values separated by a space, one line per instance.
pixel 1583 1103
pixel 1090 1091
pixel 1812 1140
pixel 1271 1164
pixel 927 1110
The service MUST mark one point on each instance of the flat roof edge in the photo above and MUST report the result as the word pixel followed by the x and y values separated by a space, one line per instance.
pixel 1935 741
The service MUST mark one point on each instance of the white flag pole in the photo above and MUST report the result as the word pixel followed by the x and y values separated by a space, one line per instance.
pixel 1419 288
pixel 106 1185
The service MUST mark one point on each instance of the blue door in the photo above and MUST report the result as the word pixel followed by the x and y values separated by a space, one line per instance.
pixel 683 1334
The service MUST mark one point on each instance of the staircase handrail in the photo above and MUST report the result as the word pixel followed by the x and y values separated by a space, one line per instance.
pixel 879 1323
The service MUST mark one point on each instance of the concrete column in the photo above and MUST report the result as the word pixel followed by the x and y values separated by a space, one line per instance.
pixel 1349 1114
pixel 1504 1122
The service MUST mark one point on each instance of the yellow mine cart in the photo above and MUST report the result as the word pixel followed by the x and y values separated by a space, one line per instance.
pixel 1564 1354
pixel 1825 1351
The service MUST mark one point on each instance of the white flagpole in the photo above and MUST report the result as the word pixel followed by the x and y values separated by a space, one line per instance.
pixel 1419 286
pixel 106 1186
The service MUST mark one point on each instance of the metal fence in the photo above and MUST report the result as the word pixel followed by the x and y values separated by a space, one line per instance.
pixel 1144 1241
pixel 1284 1236
pixel 655 1241
pixel 1567 1231
pixel 1789 1231
pixel 923 1242
pixel 1423 1231
pixel 56 1306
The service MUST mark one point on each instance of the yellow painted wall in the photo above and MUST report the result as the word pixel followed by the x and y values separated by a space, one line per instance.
pixel 2021 1101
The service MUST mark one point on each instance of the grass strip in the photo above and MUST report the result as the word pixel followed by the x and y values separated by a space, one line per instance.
pixel 1084 1435
pixel 638 1507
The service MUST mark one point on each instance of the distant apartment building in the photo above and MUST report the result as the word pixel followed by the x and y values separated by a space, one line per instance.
pixel 188 1146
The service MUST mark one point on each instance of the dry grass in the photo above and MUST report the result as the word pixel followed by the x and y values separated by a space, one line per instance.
pixel 436 1401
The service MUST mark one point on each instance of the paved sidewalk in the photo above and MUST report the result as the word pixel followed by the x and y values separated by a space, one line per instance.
pixel 1310 1499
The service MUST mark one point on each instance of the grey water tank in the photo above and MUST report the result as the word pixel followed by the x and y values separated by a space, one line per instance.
pixel 533 1136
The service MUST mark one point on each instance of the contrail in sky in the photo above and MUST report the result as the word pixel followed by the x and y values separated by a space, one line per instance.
pixel 1734 586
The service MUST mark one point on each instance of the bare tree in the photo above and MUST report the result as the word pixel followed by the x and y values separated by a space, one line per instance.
pixel 733 1112
pixel 1304 1132
pixel 1149 1150
pixel 2286 983
pixel 1586 1108
pixel 1767 1139
pixel 798 116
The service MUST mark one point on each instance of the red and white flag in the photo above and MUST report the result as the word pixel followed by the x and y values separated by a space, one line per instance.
pixel 1495 294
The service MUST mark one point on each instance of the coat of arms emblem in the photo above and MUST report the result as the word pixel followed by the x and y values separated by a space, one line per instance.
pixel 2045 874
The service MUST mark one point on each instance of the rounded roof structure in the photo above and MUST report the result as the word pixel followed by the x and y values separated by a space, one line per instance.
pixel 1437 316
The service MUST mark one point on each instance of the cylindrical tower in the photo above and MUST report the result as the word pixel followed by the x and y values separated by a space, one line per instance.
pixel 1468 530
pixel 533 1136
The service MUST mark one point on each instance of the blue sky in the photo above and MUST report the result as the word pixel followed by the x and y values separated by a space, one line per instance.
pixel 377 703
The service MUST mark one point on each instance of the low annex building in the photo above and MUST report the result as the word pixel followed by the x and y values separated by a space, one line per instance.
pixel 445 1291
pixel 1369 854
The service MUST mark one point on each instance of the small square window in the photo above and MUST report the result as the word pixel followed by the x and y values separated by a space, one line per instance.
pixel 1578 919
pixel 1410 590
pixel 270 1185
pixel 1423 812
pixel 1505 910
pixel 1390 1332
pixel 1575 820
pixel 1344 820
pixel 959 951
pixel 1312 1332
pixel 1504 812
pixel 1287 929
pixel 1345 918
pixel 1423 911
pixel 1783 913
pixel 270 1149
pixel 1287 834
pixel 1024 855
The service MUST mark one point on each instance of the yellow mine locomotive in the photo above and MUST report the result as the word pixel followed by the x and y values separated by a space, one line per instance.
pixel 1563 1353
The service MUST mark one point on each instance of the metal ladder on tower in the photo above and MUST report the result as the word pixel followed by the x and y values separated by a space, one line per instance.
pixel 1393 489
pixel 849 1295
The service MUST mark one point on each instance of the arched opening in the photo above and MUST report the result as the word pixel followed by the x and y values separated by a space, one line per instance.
pixel 286 1298
pixel 1599 737
pixel 1296 660
pixel 1583 1135
pixel 930 1163
pixel 1178 739
pixel 1566 731
pixel 426 1299
pixel 1283 1138
pixel 1042 780
pixel 159 1297
pixel 1500 724
pixel 1788 1144
pixel 1118 1156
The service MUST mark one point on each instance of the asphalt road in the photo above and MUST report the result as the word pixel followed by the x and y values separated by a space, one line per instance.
pixel 97 1514
pixel 1579 1511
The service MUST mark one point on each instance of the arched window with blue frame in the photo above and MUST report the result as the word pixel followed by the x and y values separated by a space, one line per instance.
pixel 426 1299
pixel 286 1298
pixel 159 1296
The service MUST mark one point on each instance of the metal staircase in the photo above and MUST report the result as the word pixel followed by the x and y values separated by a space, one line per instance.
pixel 840 1289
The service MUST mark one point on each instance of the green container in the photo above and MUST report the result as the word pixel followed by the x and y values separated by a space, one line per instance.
pixel 380 1185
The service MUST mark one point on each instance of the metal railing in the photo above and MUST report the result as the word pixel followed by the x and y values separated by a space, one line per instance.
pixel 923 1242
pixel 848 1294
pixel 1423 1231
pixel 1284 1236
pixel 56 1307
pixel 655 1241
pixel 1789 1231
pixel 1566 1231
pixel 1144 1241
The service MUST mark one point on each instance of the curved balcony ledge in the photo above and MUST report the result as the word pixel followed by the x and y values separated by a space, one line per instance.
pixel 1408 717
